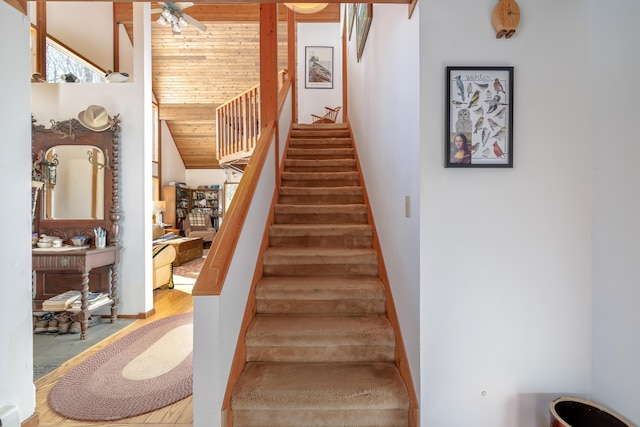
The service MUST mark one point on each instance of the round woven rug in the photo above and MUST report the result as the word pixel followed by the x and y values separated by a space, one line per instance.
pixel 145 370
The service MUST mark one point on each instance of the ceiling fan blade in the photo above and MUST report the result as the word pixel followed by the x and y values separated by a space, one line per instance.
pixel 194 22
pixel 184 4
pixel 155 11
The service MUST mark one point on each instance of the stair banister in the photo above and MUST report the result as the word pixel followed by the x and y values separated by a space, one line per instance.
pixel 219 299
pixel 216 266
pixel 238 123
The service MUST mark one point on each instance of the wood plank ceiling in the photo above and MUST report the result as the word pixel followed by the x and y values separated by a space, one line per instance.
pixel 196 71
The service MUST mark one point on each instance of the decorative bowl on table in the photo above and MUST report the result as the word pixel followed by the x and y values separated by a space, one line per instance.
pixel 46 244
pixel 79 240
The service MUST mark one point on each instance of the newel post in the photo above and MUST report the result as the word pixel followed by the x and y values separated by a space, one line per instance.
pixel 269 69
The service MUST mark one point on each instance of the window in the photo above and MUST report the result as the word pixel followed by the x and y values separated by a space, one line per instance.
pixel 61 60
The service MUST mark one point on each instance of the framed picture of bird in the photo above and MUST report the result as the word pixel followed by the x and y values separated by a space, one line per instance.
pixel 319 71
pixel 479 117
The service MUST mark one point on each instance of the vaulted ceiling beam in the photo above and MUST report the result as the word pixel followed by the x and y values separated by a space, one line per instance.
pixel 187 112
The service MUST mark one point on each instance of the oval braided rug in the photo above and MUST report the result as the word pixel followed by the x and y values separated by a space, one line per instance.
pixel 145 370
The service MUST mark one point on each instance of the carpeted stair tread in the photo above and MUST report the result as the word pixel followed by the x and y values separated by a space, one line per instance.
pixel 350 194
pixel 313 191
pixel 320 329
pixel 320 179
pixel 320 295
pixel 320 214
pixel 320 153
pixel 320 256
pixel 320 176
pixel 320 262
pixel 320 133
pixel 321 235
pixel 320 126
pixel 319 288
pixel 303 142
pixel 319 165
pixel 320 230
pixel 319 386
pixel 320 338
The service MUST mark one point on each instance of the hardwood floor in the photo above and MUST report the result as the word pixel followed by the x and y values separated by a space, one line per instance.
pixel 180 414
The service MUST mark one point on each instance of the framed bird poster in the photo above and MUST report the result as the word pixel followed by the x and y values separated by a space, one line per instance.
pixel 319 72
pixel 479 117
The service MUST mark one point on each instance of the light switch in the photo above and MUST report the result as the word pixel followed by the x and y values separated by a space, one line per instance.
pixel 407 206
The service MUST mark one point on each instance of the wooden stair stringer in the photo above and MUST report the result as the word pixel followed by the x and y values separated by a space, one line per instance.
pixel 402 361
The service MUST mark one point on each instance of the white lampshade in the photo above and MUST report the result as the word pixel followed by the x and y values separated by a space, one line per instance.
pixel 306 8
pixel 159 206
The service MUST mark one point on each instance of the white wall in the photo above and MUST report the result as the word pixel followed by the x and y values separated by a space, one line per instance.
pixel 173 169
pixel 384 108
pixel 313 101
pixel 505 254
pixel 616 205
pixel 132 102
pixel 83 26
pixel 16 327
pixel 196 177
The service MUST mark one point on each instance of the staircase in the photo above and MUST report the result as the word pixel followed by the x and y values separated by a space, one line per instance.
pixel 320 350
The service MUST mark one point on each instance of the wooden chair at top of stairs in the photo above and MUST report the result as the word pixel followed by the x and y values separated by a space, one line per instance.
pixel 330 116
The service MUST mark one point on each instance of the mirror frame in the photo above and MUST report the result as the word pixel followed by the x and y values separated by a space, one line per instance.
pixel 72 132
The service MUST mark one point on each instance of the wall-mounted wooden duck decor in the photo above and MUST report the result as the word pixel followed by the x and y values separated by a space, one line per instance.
pixel 505 18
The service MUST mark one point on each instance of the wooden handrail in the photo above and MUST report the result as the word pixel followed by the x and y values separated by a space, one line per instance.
pixel 216 266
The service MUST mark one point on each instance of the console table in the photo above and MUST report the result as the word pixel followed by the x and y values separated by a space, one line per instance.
pixel 82 260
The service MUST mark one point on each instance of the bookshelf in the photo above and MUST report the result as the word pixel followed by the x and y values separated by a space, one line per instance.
pixel 178 200
pixel 207 200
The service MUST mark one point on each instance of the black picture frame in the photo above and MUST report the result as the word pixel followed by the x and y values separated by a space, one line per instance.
pixel 479 117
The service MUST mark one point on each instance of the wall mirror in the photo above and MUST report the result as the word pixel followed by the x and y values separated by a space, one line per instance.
pixel 78 192
pixel 78 172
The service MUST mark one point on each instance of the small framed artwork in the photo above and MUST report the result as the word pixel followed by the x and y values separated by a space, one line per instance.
pixel 364 13
pixel 479 117
pixel 351 13
pixel 319 72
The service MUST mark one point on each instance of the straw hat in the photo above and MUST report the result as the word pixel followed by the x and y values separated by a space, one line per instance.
pixel 95 118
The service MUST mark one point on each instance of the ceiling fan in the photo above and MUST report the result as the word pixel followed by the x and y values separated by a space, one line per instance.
pixel 171 13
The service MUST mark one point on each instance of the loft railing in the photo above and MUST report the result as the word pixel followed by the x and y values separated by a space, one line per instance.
pixel 238 124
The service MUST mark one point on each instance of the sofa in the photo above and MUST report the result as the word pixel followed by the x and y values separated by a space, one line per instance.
pixel 163 257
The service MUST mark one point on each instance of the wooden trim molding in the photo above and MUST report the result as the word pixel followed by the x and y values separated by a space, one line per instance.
pixel 240 355
pixel 32 421
pixel 41 38
pixel 268 63
pixel 402 361
pixel 412 7
pixel 20 5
